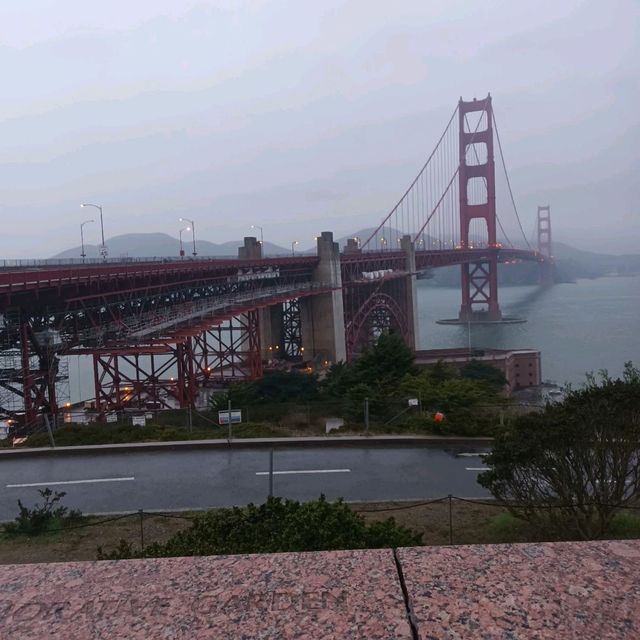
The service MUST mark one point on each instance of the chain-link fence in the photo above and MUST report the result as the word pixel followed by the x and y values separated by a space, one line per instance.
pixel 317 417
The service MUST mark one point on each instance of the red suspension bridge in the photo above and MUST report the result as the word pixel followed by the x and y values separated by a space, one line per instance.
pixel 158 331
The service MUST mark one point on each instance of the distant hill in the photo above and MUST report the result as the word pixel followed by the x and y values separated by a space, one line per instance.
pixel 571 263
pixel 149 245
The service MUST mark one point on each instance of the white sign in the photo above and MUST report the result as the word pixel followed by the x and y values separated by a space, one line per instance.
pixel 236 416
pixel 112 417
pixel 138 421
pixel 333 423
pixel 4 431
pixel 413 402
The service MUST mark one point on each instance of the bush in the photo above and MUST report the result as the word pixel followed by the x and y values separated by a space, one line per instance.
pixel 49 516
pixel 625 525
pixel 570 469
pixel 278 525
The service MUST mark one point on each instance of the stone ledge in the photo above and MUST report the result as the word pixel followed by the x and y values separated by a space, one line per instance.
pixel 586 590
pixel 554 591
pixel 341 594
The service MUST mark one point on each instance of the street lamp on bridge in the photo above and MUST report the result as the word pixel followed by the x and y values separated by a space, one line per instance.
pixel 193 233
pixel 256 226
pixel 103 247
pixel 83 254
pixel 293 247
pixel 181 249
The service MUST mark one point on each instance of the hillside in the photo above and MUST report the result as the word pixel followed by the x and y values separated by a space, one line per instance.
pixel 571 263
pixel 147 245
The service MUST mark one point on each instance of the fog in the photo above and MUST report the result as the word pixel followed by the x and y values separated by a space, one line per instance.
pixel 303 117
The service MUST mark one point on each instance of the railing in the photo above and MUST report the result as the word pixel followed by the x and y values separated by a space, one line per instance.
pixel 61 262
pixel 153 321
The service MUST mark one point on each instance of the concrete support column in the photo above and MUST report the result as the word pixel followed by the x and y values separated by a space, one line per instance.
pixel 251 249
pixel 322 316
pixel 271 332
pixel 411 297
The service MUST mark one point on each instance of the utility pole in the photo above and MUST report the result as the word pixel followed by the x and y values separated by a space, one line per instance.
pixel 366 415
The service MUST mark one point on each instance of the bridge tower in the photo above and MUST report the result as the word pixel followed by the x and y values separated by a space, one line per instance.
pixel 544 244
pixel 479 280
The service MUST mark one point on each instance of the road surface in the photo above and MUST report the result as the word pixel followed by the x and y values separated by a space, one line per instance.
pixel 195 479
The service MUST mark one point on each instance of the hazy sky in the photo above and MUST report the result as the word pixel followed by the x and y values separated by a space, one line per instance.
pixel 306 116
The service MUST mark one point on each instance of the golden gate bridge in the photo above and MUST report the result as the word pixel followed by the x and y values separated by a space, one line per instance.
pixel 158 331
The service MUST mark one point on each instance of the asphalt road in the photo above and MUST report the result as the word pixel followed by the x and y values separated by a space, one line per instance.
pixel 196 479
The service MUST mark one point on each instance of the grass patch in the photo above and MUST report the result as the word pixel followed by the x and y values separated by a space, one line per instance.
pixel 504 527
pixel 625 525
pixel 473 523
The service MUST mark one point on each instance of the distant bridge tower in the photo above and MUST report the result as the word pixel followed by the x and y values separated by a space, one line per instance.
pixel 479 280
pixel 544 244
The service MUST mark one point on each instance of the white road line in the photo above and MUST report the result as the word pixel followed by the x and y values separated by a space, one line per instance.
pixel 288 473
pixel 478 468
pixel 59 482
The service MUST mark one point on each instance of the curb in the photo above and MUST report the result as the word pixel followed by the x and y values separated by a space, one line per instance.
pixel 251 443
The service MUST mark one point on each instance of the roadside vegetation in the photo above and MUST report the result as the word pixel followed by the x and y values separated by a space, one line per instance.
pixel 570 472
pixel 470 402
pixel 50 516
pixel 386 378
pixel 574 468
pixel 434 523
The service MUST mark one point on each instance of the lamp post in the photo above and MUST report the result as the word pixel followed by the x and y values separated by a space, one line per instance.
pixel 293 247
pixel 256 226
pixel 83 254
pixel 383 242
pixel 193 233
pixel 103 247
pixel 181 249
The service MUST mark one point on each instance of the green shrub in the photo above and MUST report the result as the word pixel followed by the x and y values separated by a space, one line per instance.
pixel 278 525
pixel 625 525
pixel 48 516
pixel 506 528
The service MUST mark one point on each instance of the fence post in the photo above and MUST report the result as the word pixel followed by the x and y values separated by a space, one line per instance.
pixel 190 420
pixel 271 473
pixel 229 419
pixel 49 431
pixel 450 519
pixel 366 415
pixel 141 514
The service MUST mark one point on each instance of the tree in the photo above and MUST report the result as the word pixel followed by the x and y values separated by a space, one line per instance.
pixel 390 359
pixel 274 386
pixel 478 370
pixel 569 469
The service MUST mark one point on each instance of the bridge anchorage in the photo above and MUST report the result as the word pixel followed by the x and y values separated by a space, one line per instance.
pixel 157 333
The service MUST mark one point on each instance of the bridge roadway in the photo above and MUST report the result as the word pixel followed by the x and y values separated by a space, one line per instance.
pixel 43 275
pixel 178 479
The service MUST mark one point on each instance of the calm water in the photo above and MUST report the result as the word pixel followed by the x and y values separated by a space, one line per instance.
pixel 587 326
pixel 591 325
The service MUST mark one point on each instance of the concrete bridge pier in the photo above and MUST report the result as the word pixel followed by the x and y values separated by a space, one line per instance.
pixel 271 332
pixel 322 316
pixel 410 301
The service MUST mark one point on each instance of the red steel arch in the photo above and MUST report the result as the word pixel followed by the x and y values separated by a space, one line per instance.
pixel 360 322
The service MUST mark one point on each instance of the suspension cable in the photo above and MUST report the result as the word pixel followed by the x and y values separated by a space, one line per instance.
pixel 450 181
pixel 506 175
pixel 453 115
